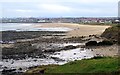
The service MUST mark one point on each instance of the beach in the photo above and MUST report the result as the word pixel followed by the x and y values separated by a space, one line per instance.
pixel 72 29
pixel 76 29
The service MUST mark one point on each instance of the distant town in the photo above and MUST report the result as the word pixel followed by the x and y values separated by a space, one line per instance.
pixel 85 20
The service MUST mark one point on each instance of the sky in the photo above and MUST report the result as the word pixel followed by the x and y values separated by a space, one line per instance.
pixel 59 8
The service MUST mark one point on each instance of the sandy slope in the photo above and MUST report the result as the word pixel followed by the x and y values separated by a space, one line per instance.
pixel 77 29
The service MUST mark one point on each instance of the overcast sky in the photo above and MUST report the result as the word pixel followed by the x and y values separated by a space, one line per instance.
pixel 59 8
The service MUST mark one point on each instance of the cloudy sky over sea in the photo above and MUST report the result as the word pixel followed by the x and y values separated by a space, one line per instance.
pixel 59 8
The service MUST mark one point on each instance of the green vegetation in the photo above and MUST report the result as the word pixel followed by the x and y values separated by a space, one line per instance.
pixel 112 33
pixel 94 65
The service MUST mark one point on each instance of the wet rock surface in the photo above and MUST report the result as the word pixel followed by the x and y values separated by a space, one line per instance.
pixel 32 44
pixel 35 49
pixel 102 43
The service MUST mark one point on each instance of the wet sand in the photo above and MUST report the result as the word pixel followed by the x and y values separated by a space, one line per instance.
pixel 77 29
pixel 108 51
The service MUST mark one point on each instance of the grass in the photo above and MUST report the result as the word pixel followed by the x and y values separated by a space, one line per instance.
pixel 94 65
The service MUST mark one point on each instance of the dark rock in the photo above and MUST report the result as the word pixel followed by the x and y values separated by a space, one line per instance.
pixel 42 71
pixel 97 57
pixel 35 60
pixel 91 43
pixel 69 47
pixel 12 62
pixel 5 67
pixel 9 70
pixel 20 69
pixel 105 42
pixel 74 53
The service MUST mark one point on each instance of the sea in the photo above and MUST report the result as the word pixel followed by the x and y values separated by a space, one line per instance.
pixel 28 27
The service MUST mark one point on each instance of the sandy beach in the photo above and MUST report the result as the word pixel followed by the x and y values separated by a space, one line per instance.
pixel 77 29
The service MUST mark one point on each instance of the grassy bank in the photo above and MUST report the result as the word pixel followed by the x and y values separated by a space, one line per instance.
pixel 112 33
pixel 96 65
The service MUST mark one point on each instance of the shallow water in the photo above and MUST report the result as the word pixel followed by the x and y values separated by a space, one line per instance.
pixel 13 26
pixel 28 27
pixel 74 54
pixel 65 56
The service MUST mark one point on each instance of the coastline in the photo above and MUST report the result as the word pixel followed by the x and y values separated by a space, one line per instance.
pixel 42 44
pixel 77 29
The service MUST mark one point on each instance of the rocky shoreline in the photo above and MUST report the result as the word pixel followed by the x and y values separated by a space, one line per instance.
pixel 41 45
